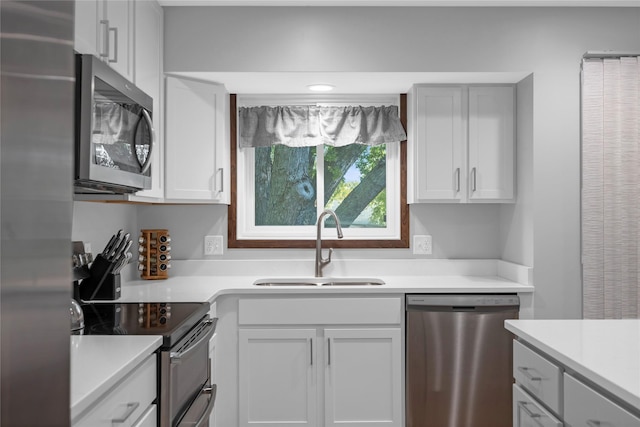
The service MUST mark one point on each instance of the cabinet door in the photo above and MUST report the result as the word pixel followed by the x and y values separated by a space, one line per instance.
pixel 491 143
pixel 88 30
pixel 148 77
pixel 277 377
pixel 195 140
pixel 583 406
pixel 363 377
pixel 120 14
pixel 438 144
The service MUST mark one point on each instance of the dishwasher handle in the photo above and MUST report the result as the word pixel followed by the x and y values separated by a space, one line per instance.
pixel 462 302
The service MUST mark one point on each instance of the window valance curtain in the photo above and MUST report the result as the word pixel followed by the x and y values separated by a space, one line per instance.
pixel 304 126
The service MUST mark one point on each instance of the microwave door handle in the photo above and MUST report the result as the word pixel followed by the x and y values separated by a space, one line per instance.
pixel 147 163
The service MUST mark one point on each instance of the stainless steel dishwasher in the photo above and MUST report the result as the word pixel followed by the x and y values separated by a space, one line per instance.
pixel 459 360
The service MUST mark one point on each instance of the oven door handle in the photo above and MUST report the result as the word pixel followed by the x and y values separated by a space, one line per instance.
pixel 212 390
pixel 176 356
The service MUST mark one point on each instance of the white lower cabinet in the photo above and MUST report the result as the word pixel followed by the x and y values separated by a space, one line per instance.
pixel 283 370
pixel 583 406
pixel 529 413
pixel 213 343
pixel 546 395
pixel 149 418
pixel 320 368
pixel 128 404
pixel 278 380
pixel 362 381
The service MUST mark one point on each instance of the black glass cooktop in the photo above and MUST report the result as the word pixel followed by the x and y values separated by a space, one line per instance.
pixel 171 320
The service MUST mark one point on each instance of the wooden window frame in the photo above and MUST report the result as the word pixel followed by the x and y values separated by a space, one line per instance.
pixel 235 243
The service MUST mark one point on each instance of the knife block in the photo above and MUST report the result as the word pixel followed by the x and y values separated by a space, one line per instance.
pixel 155 254
pixel 101 284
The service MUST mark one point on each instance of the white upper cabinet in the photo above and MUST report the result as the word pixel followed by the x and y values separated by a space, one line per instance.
pixel 491 143
pixel 104 28
pixel 437 165
pixel 148 77
pixel 196 141
pixel 462 145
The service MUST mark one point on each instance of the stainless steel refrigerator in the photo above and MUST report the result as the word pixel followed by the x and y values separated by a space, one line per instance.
pixel 36 167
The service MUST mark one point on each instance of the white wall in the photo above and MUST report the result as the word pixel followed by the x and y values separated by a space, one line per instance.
pixel 516 220
pixel 457 231
pixel 95 223
pixel 548 42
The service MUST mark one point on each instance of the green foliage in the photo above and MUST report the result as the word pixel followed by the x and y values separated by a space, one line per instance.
pixel 379 209
pixel 341 192
pixel 370 158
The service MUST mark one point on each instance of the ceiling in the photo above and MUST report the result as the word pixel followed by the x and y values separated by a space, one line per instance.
pixel 456 3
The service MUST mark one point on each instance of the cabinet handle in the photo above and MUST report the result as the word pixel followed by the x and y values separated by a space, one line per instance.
pixel 593 423
pixel 532 415
pixel 458 180
pixel 114 30
pixel 473 179
pixel 221 171
pixel 529 375
pixel 329 351
pixel 311 350
pixel 105 38
pixel 131 407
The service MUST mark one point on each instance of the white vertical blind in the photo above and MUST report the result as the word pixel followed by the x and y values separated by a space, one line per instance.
pixel 611 187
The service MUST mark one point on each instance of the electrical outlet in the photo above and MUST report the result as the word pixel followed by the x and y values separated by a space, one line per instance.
pixel 422 245
pixel 213 245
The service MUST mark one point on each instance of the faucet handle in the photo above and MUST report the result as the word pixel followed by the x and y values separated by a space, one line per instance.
pixel 328 260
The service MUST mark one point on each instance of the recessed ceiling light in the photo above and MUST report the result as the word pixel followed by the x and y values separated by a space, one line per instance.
pixel 321 87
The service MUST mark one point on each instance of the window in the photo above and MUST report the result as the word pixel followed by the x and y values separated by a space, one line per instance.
pixel 278 191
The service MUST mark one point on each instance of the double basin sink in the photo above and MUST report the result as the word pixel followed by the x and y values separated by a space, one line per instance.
pixel 319 281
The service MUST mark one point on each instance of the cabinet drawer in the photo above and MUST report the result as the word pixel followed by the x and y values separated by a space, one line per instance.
pixel 583 406
pixel 127 401
pixel 149 418
pixel 527 412
pixel 540 377
pixel 314 311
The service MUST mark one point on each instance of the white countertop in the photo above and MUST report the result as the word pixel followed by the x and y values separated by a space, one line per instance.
pixel 606 352
pixel 100 362
pixel 208 288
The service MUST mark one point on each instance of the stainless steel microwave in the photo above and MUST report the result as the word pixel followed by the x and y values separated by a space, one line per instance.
pixel 113 131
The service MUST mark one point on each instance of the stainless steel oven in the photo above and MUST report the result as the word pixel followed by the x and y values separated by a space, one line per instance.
pixel 186 397
pixel 113 131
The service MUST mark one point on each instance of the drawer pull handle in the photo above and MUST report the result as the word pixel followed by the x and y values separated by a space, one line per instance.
pixel 526 372
pixel 533 415
pixel 131 408
pixel 593 423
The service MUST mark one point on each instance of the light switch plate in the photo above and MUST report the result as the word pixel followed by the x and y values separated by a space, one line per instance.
pixel 422 245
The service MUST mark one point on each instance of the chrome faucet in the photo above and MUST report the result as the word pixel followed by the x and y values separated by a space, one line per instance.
pixel 320 261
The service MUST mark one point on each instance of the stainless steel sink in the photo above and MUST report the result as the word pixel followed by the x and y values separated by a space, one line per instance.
pixel 319 281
